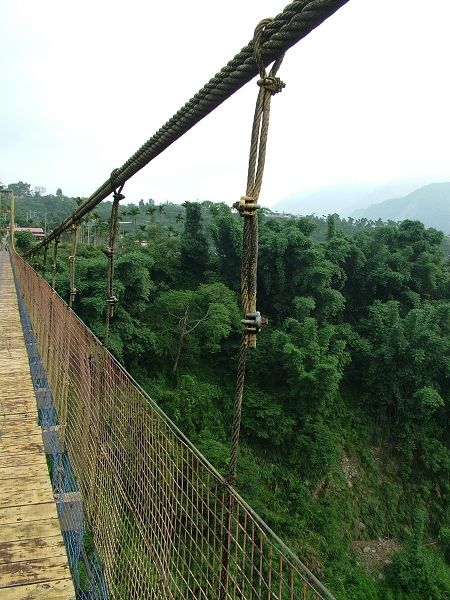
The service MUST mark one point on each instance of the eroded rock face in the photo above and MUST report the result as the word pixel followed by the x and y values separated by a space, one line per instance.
pixel 376 554
pixel 349 470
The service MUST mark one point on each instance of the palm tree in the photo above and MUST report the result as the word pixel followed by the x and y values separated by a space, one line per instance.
pixel 101 230
pixel 133 211
pixel 150 211
pixel 161 211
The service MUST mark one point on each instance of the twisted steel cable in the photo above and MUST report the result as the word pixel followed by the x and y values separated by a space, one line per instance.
pixel 295 22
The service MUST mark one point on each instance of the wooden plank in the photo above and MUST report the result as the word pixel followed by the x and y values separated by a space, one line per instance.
pixel 14 366
pixel 8 354
pixel 28 472
pixel 15 373
pixel 18 394
pixel 17 429
pixel 56 590
pixel 33 562
pixel 19 551
pixel 24 415
pixel 24 459
pixel 14 532
pixel 11 386
pixel 26 514
pixel 18 407
pixel 19 360
pixel 9 447
pixel 11 393
pixel 19 497
pixel 34 571
pixel 13 403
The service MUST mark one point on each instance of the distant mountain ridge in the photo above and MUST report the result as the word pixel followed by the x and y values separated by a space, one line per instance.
pixel 429 204
pixel 346 197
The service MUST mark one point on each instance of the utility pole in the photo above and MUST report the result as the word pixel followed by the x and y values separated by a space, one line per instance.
pixel 1 228
pixel 11 217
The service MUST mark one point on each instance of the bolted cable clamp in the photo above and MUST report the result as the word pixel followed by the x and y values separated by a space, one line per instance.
pixel 253 322
pixel 247 206
pixel 112 301
pixel 108 252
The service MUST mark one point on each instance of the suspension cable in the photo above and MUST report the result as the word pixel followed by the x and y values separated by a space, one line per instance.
pixel 248 207
pixel 55 264
pixel 72 257
pixel 296 21
pixel 111 299
pixel 252 321
pixel 44 260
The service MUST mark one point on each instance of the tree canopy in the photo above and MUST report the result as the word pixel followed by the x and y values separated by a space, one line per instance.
pixel 346 418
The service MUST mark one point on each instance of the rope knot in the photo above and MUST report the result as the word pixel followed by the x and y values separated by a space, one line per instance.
pixel 247 206
pixel 272 84
pixel 113 181
pixel 71 258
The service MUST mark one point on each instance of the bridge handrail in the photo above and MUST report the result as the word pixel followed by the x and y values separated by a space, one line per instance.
pixel 101 409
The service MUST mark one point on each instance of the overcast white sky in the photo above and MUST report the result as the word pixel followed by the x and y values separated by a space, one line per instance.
pixel 84 84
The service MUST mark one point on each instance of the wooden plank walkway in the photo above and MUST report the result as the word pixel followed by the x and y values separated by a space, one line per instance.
pixel 33 561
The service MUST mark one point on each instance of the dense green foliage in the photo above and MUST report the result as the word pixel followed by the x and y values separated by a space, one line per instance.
pixel 345 434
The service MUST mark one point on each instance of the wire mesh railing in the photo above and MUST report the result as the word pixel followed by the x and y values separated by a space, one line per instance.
pixel 163 522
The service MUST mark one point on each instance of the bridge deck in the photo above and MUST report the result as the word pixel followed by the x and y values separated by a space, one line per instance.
pixel 33 561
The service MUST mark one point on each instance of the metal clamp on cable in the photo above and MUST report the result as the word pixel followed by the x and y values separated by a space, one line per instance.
pixel 246 206
pixel 112 301
pixel 108 251
pixel 253 322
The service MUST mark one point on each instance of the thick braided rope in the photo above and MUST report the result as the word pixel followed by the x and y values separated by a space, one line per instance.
pixel 247 207
pixel 269 85
pixel 44 260
pixel 111 300
pixel 55 264
pixel 296 21
pixel 72 257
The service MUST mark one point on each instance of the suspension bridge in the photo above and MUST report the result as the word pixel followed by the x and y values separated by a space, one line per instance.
pixel 101 495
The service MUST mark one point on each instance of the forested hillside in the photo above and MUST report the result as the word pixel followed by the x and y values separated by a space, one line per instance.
pixel 346 427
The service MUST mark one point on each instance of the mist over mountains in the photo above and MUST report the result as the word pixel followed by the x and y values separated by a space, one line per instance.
pixel 429 204
pixel 343 198
pixel 396 201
